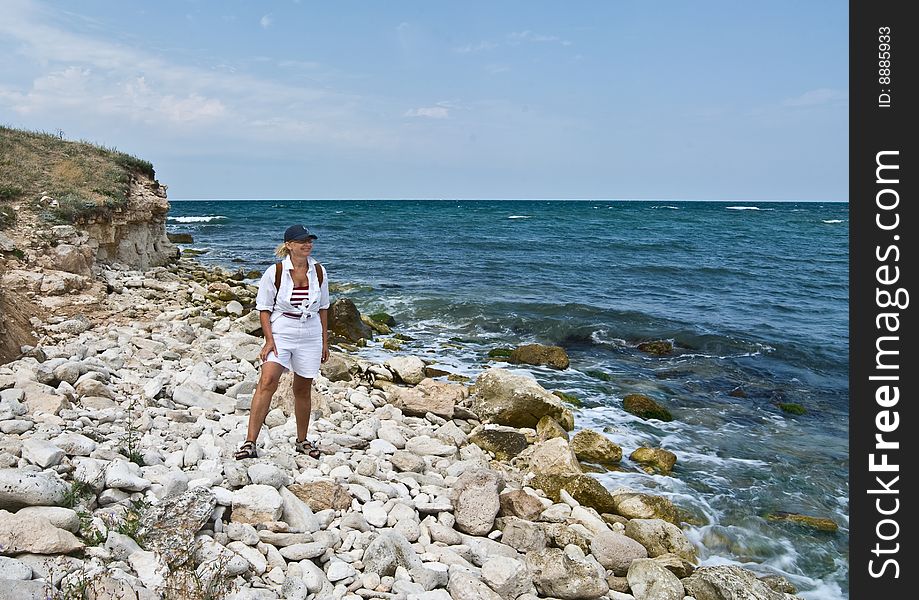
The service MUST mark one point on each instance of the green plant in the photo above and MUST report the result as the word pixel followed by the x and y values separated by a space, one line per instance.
pixel 78 490
pixel 131 523
pixel 10 192
pixel 90 534
pixel 130 449
pixel 7 217
pixel 209 581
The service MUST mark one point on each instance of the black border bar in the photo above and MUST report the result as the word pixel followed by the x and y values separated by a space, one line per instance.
pixel 882 357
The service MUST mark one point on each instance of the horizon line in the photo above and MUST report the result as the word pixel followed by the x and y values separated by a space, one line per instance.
pixel 491 200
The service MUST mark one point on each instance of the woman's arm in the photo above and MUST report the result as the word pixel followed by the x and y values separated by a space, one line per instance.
pixel 324 319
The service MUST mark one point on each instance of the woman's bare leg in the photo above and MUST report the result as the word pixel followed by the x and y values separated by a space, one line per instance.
pixel 261 399
pixel 302 404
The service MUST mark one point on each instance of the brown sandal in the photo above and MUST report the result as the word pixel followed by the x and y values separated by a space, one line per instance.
pixel 309 448
pixel 247 450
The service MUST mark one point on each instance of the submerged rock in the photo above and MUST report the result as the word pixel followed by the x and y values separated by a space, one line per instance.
pixel 645 407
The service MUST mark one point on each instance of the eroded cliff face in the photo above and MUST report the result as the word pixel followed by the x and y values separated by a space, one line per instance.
pixel 136 236
pixel 50 271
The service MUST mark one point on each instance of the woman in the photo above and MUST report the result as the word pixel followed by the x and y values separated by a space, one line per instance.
pixel 294 318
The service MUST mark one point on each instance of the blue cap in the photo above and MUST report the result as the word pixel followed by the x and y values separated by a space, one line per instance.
pixel 298 232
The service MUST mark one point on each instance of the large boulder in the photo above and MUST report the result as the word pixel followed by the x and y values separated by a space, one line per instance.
pixel 504 442
pixel 538 354
pixel 322 494
pixel 25 488
pixel 660 537
pixel 591 446
pixel 636 505
pixel 409 369
pixel 429 396
pixel 29 533
pixel 567 574
pixel 345 321
pixel 728 582
pixel 615 551
pixel 649 580
pixel 388 551
pixel 583 488
pixel 499 396
pixel 654 460
pixel 552 457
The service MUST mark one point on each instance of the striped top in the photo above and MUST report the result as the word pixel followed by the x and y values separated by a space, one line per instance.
pixel 299 295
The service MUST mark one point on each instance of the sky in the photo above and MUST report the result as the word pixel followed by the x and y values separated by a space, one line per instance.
pixel 707 100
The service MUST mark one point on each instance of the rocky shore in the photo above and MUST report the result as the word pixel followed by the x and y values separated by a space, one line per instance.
pixel 117 477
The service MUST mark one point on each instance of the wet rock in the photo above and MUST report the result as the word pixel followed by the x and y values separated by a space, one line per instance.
pixel 656 347
pixel 635 505
pixel 591 446
pixel 818 523
pixel 583 488
pixel 506 398
pixel 728 582
pixel 654 460
pixel 661 537
pixel 645 407
pixel 345 321
pixel 539 354
pixel 504 442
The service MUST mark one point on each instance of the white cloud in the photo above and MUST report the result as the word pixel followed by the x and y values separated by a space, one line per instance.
pixel 430 112
pixel 266 21
pixel 494 69
pixel 518 37
pixel 468 48
pixel 818 97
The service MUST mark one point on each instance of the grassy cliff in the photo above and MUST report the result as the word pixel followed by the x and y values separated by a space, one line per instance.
pixel 61 181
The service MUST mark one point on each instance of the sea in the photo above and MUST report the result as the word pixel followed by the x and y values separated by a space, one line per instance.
pixel 752 295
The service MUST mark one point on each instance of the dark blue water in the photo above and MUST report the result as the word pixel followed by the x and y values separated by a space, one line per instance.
pixel 753 295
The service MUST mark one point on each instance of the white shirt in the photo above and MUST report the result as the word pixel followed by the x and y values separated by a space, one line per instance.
pixel 318 295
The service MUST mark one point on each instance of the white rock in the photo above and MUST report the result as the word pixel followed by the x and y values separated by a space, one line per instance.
pixel 256 504
pixel 75 444
pixel 25 488
pixel 296 513
pixel 124 475
pixel 60 517
pixel 41 453
pixel 267 474
pixel 12 569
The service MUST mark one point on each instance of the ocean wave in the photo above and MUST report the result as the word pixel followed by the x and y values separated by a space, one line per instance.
pixel 519 216
pixel 742 207
pixel 206 219
pixel 668 207
pixel 828 221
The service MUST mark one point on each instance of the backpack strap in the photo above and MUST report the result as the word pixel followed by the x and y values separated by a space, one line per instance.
pixel 319 273
pixel 277 277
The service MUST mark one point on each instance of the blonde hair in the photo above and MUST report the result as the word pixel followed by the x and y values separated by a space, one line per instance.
pixel 282 250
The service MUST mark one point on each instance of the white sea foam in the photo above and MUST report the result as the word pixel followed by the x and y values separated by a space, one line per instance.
pixel 832 220
pixel 207 219
pixel 742 207
pixel 668 207
pixel 519 216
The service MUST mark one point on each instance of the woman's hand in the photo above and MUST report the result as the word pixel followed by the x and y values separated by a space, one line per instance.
pixel 267 349
pixel 325 352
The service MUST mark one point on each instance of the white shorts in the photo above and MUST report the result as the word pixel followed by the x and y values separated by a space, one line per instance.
pixel 299 345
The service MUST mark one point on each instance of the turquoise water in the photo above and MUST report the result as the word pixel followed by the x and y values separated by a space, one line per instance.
pixel 753 295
